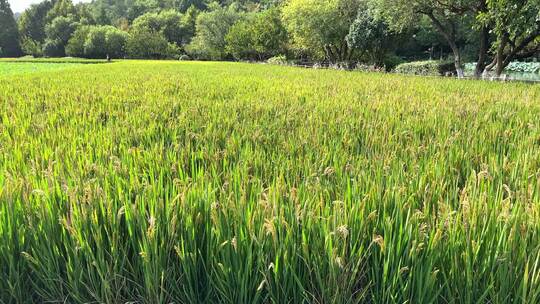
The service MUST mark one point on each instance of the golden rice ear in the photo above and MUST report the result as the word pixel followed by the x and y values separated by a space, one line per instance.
pixel 379 240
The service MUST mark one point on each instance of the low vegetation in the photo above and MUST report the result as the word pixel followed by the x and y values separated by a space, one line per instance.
pixel 427 68
pixel 190 182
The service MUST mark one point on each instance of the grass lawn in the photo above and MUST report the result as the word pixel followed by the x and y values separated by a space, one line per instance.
pixel 191 182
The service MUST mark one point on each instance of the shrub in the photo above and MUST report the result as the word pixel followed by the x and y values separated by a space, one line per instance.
pixel 426 68
pixel 278 60
pixel 392 61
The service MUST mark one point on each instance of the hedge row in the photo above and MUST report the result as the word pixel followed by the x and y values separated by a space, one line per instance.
pixel 426 68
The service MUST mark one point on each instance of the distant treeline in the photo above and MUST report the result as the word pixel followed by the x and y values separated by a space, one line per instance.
pixel 382 33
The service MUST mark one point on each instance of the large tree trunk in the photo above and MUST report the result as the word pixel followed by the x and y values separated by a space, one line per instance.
pixel 329 53
pixel 503 57
pixel 482 53
pixel 449 36
pixel 499 67
pixel 489 67
pixel 343 52
pixel 515 53
pixel 457 62
pixel 484 42
pixel 337 53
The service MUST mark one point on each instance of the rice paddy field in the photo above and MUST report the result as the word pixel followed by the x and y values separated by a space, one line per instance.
pixel 14 68
pixel 190 182
pixel 24 65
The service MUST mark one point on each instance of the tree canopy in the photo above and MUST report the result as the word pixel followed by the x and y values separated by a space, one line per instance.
pixel 9 35
pixel 491 33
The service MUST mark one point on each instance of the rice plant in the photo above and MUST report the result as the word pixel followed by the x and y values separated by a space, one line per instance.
pixel 169 182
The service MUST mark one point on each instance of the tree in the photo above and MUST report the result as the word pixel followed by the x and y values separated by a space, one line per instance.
pixel 212 28
pixel 101 42
pixel 478 8
pixel 9 33
pixel 58 33
pixel 177 28
pixel 184 5
pixel 146 44
pixel 516 24
pixel 98 42
pixel 46 27
pixel 141 7
pixel 116 43
pixel 95 42
pixel 260 37
pixel 168 23
pixel 101 15
pixel 447 16
pixel 240 40
pixel 32 27
pixel 371 36
pixel 75 46
pixel 189 24
pixel 107 12
pixel 320 27
pixel 61 8
pixel 84 14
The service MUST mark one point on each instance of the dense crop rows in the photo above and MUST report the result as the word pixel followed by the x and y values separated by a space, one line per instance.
pixel 161 182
